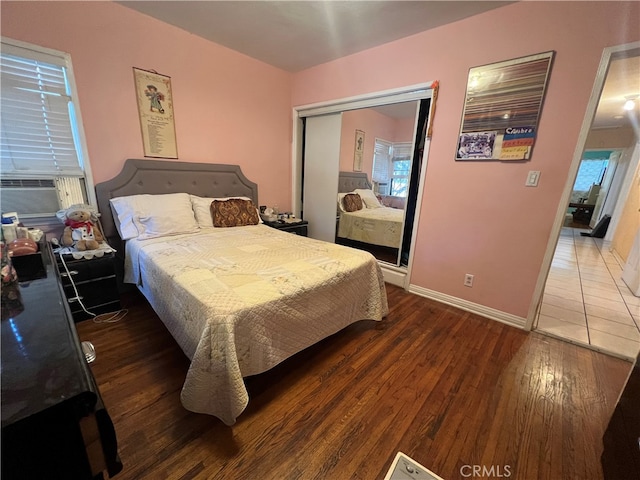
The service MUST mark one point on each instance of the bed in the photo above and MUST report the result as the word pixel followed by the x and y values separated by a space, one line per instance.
pixel 237 300
pixel 372 222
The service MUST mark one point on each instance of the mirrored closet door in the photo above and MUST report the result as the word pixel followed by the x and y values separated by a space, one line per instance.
pixel 363 195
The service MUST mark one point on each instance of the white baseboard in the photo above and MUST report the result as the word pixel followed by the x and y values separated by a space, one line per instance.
pixel 487 312
pixel 394 276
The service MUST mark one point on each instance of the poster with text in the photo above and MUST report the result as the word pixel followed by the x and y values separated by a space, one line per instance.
pixel 155 108
pixel 505 98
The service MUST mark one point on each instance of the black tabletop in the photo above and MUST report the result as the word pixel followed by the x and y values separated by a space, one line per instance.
pixel 42 360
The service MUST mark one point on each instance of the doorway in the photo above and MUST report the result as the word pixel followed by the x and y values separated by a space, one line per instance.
pixel 583 298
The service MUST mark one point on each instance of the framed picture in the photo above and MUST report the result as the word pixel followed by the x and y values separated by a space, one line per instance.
pixel 155 109
pixel 502 106
pixel 358 151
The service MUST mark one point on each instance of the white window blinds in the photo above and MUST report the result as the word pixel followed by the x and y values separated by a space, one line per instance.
pixel 37 115
pixel 381 161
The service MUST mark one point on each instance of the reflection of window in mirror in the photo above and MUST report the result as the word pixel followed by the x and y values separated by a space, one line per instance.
pixel 400 178
pixel 400 170
pixel 391 168
pixel 381 175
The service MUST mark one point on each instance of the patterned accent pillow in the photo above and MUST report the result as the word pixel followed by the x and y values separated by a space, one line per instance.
pixel 352 202
pixel 234 212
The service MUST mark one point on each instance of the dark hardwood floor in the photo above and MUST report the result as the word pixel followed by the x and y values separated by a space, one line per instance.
pixel 444 386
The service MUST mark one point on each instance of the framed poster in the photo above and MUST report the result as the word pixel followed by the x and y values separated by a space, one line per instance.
pixel 502 106
pixel 358 151
pixel 155 109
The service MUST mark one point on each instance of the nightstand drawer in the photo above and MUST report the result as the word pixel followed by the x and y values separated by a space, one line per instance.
pixel 93 294
pixel 298 228
pixel 84 270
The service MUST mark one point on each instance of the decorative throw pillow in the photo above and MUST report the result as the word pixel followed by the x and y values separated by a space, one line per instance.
pixel 202 209
pixel 368 197
pixel 234 212
pixel 352 202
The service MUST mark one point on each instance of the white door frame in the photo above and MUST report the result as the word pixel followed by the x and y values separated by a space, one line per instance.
pixel 396 275
pixel 601 75
pixel 625 187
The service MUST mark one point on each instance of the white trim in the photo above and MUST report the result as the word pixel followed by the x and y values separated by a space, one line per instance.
pixel 596 91
pixel 393 275
pixel 86 164
pixel 385 97
pixel 487 312
pixel 625 189
pixel 43 54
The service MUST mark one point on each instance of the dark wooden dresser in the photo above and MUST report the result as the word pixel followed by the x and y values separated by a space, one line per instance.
pixel 54 423
pixel 621 441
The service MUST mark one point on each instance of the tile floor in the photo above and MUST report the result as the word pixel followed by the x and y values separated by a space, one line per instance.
pixel 585 301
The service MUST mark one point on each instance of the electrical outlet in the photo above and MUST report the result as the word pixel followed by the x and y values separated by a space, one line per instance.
pixel 468 280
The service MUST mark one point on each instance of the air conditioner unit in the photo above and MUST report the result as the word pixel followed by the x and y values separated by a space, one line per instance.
pixel 35 197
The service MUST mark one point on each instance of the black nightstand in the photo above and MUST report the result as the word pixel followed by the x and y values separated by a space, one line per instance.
pixel 95 280
pixel 299 228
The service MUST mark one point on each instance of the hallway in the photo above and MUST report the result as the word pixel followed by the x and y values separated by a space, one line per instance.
pixel 585 301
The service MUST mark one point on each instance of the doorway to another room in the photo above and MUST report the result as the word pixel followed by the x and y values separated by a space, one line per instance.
pixel 588 297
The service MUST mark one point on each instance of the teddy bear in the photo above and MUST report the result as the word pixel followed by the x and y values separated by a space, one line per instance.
pixel 81 229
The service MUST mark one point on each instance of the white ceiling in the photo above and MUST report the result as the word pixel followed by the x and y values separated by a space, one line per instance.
pixel 622 82
pixel 295 35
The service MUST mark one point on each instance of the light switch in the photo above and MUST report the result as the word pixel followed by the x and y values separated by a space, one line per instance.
pixel 532 178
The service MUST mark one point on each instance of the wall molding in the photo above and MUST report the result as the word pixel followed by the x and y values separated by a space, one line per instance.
pixel 393 275
pixel 476 308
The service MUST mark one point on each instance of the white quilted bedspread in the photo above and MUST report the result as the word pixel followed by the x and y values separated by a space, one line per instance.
pixel 378 226
pixel 241 300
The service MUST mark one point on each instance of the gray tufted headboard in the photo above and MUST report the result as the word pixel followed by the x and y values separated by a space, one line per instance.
pixel 349 181
pixel 164 176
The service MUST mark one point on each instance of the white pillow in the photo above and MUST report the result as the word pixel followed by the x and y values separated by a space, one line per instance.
pixel 124 209
pixel 368 198
pixel 150 216
pixel 202 209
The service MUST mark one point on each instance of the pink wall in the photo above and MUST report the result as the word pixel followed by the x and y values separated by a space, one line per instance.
pixel 404 129
pixel 374 125
pixel 478 217
pixel 229 108
pixel 475 218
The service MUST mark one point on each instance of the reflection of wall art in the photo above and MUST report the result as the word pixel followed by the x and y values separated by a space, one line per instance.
pixel 358 151
pixel 502 108
pixel 155 108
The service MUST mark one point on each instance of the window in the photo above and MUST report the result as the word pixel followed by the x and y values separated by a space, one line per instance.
pixel 391 168
pixel 592 169
pixel 381 166
pixel 43 166
pixel 400 178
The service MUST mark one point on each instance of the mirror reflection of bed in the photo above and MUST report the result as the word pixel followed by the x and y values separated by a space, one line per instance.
pixel 375 222
pixel 372 221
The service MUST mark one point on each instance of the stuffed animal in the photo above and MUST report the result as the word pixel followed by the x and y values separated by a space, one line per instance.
pixel 81 227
